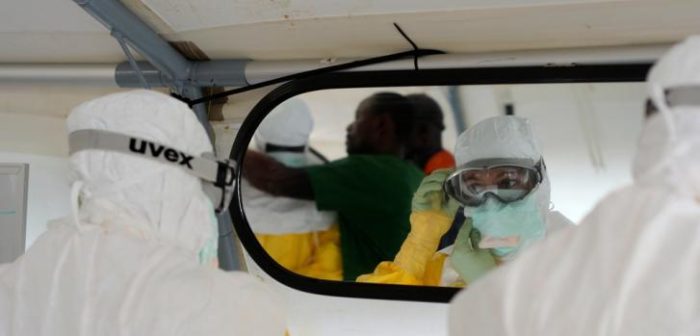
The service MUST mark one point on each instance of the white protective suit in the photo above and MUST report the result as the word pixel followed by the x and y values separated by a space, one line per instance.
pixel 292 231
pixel 631 266
pixel 290 125
pixel 128 262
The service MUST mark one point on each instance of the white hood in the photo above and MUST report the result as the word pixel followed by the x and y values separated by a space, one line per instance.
pixel 289 124
pixel 160 201
pixel 503 137
pixel 673 132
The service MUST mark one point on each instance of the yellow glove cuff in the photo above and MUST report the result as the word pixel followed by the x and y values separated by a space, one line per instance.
pixel 427 227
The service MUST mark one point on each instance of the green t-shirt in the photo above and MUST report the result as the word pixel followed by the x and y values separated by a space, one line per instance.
pixel 372 196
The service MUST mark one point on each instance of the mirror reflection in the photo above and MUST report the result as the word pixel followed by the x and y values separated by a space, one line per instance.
pixel 432 186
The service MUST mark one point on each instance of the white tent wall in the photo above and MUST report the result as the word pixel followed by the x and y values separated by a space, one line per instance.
pixel 48 190
pixel 32 131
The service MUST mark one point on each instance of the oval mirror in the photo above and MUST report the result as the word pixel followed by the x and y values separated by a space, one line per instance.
pixel 430 185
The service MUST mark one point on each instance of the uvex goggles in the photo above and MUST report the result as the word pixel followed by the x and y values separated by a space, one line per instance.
pixel 507 180
pixel 218 176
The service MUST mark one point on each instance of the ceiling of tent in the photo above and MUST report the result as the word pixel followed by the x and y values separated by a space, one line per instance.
pixel 58 31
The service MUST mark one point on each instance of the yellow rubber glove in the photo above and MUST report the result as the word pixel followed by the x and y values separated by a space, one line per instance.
pixel 427 227
pixel 409 265
pixel 432 215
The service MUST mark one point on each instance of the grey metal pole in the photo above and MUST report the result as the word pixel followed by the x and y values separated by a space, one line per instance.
pixel 203 74
pixel 200 110
pixel 229 258
pixel 455 101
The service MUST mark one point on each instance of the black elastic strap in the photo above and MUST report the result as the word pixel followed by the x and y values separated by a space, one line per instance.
pixel 305 74
pixel 271 148
pixel 449 238
pixel 318 155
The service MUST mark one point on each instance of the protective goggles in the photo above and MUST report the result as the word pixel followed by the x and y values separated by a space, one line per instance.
pixel 218 176
pixel 507 180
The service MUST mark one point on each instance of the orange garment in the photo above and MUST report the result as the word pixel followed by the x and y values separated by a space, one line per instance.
pixel 439 160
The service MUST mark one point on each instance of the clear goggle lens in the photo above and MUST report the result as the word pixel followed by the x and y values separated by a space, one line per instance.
pixel 471 186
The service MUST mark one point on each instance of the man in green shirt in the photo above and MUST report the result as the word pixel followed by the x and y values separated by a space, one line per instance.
pixel 371 189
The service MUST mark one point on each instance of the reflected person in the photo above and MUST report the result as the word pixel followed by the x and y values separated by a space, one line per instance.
pixel 425 145
pixel 292 231
pixel 370 189
pixel 502 184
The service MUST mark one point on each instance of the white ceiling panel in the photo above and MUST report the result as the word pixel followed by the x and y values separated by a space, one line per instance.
pixel 59 47
pixel 59 31
pixel 53 31
pixel 463 31
pixel 185 15
pixel 45 16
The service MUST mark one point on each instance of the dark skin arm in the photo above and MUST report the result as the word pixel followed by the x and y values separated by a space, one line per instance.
pixel 272 177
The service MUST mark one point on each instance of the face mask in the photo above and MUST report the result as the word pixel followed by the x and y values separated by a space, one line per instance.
pixel 289 159
pixel 507 228
pixel 209 253
pixel 469 261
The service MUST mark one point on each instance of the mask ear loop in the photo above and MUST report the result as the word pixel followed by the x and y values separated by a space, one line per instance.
pixel 76 188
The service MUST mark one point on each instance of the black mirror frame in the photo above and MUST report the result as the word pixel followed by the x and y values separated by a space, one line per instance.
pixel 437 77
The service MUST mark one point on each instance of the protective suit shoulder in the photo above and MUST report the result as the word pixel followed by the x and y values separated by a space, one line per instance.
pixel 557 221
pixel 584 266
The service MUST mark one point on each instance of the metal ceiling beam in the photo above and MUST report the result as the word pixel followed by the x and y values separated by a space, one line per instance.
pixel 203 74
pixel 122 23
pixel 92 75
pixel 241 72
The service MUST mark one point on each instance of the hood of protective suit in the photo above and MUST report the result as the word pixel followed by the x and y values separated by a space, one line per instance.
pixel 673 131
pixel 503 137
pixel 156 201
pixel 289 124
